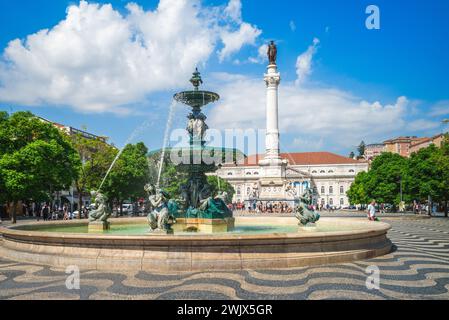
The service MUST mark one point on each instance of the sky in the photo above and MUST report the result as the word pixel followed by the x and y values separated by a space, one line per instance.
pixel 113 66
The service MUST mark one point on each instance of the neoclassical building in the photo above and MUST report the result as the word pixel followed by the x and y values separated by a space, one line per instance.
pixel 330 175
pixel 277 176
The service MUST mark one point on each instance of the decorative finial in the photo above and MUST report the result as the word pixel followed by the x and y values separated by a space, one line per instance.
pixel 196 79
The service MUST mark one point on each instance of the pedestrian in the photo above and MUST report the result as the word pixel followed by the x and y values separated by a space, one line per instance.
pixel 372 211
pixel 45 212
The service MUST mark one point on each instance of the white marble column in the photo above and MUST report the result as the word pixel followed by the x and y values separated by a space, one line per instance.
pixel 272 79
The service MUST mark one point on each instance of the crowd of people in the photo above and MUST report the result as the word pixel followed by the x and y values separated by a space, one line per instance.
pixel 262 207
pixel 44 211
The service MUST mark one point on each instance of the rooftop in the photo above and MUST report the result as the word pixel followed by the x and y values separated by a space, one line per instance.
pixel 304 158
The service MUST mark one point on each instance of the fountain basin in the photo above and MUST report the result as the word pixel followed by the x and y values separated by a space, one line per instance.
pixel 336 240
pixel 196 98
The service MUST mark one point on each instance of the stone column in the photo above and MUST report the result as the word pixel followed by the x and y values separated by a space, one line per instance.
pixel 272 79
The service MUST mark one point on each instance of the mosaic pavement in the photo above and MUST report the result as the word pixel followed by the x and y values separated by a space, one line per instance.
pixel 417 269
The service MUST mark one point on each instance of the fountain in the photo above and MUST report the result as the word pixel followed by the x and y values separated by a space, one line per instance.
pixel 200 210
pixel 196 232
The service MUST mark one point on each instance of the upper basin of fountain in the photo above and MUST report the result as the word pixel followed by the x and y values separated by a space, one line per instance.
pixel 196 98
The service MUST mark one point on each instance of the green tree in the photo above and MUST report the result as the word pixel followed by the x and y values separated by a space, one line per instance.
pixel 36 159
pixel 218 184
pixel 96 157
pixel 423 175
pixel 352 155
pixel 442 161
pixel 129 175
pixel 361 149
pixel 384 178
pixel 357 194
pixel 382 182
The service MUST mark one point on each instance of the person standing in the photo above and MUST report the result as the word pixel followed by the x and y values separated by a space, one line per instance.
pixel 372 211
pixel 45 212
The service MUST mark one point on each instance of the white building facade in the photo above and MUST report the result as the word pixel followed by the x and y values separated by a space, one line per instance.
pixel 329 175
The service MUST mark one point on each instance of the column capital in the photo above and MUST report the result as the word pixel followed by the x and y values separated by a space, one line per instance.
pixel 272 80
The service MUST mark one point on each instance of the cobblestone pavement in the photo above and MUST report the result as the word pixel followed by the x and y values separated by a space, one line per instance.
pixel 418 268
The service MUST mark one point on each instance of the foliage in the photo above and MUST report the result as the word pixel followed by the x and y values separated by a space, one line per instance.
pixel 36 159
pixel 381 183
pixel 357 193
pixel 96 158
pixel 361 149
pixel 225 186
pixel 424 174
pixel 129 174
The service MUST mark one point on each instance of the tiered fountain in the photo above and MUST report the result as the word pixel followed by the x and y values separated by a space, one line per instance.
pixel 199 209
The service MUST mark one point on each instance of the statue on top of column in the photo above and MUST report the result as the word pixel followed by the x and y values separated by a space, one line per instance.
pixel 272 52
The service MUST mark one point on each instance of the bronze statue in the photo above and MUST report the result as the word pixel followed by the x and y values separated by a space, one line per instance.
pixel 272 53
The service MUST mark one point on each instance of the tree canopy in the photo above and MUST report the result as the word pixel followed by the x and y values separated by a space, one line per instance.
pixel 129 174
pixel 425 174
pixel 36 159
pixel 96 157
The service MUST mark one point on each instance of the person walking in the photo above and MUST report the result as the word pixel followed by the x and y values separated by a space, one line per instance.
pixel 372 211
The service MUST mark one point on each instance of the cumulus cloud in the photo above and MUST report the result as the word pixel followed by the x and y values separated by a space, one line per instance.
pixel 234 40
pixel 234 10
pixel 261 55
pixel 308 116
pixel 304 62
pixel 98 59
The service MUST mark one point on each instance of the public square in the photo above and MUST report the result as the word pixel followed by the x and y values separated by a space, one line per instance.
pixel 224 150
pixel 418 268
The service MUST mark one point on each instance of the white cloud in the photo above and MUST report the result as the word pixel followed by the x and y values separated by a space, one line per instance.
pixel 422 125
pixel 304 62
pixel 234 40
pixel 234 10
pixel 261 55
pixel 292 26
pixel 441 108
pixel 309 115
pixel 98 60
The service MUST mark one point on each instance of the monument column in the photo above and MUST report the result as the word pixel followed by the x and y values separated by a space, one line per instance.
pixel 272 79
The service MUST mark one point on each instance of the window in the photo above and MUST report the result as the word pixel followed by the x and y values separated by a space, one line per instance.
pixel 351 171
pixel 248 190
pixel 331 190
pixel 322 171
pixel 314 171
pixel 331 171
pixel 322 190
pixel 342 190
pixel 239 191
pixel 229 173
pixel 331 201
pixel 342 201
pixel 256 173
pixel 248 173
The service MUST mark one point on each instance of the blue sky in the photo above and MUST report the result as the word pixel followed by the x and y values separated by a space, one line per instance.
pixel 360 84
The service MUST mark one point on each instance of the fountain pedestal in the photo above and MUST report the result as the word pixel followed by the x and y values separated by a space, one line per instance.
pixel 204 225
pixel 98 226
